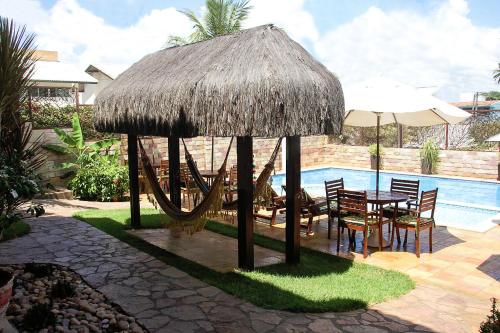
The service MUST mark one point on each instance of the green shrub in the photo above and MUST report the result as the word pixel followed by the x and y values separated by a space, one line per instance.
pixel 38 270
pixel 429 156
pixel 492 322
pixel 51 116
pixel 103 180
pixel 62 289
pixel 38 317
pixel 372 150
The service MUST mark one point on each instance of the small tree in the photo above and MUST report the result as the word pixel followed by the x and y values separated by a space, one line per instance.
pixel 19 158
pixel 429 156
pixel 221 17
pixel 492 322
pixel 496 74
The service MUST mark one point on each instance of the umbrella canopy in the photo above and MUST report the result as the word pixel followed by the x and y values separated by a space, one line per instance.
pixel 254 82
pixel 494 138
pixel 396 103
pixel 382 101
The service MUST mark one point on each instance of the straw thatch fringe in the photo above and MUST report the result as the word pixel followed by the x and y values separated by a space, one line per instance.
pixel 255 82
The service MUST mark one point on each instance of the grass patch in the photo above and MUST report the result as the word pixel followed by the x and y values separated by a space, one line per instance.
pixel 17 229
pixel 320 283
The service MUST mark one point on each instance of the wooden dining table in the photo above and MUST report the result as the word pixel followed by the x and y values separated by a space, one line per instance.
pixel 379 200
pixel 209 175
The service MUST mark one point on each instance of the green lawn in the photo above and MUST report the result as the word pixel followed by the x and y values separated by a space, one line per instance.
pixel 321 282
pixel 17 229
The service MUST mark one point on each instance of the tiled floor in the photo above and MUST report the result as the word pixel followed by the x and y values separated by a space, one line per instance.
pixel 463 261
pixel 207 248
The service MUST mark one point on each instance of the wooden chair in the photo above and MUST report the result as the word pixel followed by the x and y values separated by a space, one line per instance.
pixel 232 183
pixel 416 222
pixel 309 208
pixel 331 188
pixel 354 215
pixel 163 176
pixel 189 188
pixel 409 188
pixel 277 202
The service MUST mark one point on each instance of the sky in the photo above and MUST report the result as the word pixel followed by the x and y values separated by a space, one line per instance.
pixel 450 45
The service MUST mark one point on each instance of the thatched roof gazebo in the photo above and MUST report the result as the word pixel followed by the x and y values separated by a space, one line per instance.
pixel 253 83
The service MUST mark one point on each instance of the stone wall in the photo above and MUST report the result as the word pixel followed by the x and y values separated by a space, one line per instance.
pixel 49 171
pixel 316 151
pixel 476 164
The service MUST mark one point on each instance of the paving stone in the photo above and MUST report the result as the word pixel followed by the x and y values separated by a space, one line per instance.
pixel 184 312
pixel 323 326
pixel 148 290
pixel 180 293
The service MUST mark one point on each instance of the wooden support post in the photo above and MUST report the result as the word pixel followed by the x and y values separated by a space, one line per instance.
pixel 133 174
pixel 400 135
pixel 245 202
pixel 292 199
pixel 174 172
pixel 446 134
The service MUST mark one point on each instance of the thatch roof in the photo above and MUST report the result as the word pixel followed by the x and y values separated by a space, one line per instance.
pixel 255 82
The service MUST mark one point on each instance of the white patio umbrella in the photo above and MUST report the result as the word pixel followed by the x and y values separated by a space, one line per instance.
pixel 382 101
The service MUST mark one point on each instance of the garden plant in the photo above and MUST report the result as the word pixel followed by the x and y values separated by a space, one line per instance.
pixel 95 169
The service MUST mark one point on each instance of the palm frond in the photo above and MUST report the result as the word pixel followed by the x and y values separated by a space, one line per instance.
pixel 496 74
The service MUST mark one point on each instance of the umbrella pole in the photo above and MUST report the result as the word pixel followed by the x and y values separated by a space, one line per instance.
pixel 212 159
pixel 378 152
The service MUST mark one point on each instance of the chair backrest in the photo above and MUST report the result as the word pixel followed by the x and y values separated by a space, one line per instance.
pixel 331 188
pixel 233 175
pixel 305 199
pixel 185 173
pixel 352 201
pixel 428 201
pixel 405 186
pixel 164 167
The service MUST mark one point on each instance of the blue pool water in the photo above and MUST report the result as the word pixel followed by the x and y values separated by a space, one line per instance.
pixel 465 204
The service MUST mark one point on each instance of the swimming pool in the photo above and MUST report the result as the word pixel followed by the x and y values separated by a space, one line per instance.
pixel 464 204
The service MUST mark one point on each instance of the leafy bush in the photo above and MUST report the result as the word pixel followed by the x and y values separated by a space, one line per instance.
pixel 62 289
pixel 38 270
pixel 48 115
pixel 97 173
pixel 429 156
pixel 19 159
pixel 38 317
pixel 492 322
pixel 372 150
pixel 103 180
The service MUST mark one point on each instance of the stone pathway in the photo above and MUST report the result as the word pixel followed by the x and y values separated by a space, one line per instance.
pixel 165 299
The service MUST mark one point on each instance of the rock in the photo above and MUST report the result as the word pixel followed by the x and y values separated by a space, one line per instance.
pixel 74 321
pixel 123 325
pixel 59 328
pixel 135 328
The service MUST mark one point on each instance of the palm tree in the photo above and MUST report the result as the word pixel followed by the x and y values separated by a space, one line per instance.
pixel 221 17
pixel 496 74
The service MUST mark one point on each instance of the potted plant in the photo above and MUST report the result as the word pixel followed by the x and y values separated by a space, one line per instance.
pixel 372 150
pixel 429 157
pixel 6 281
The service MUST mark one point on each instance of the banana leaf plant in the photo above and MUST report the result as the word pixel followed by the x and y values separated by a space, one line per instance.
pixel 83 154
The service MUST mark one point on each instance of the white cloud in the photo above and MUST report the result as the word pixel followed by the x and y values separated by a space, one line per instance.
pixel 81 37
pixel 287 14
pixel 442 48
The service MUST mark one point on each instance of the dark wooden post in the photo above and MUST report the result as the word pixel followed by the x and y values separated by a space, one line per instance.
pixel 292 199
pixel 133 174
pixel 446 136
pixel 174 173
pixel 245 202
pixel 400 135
